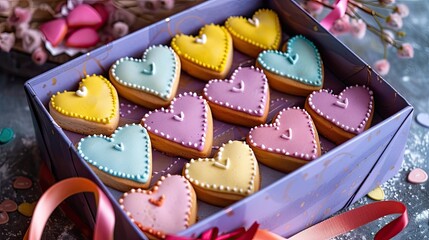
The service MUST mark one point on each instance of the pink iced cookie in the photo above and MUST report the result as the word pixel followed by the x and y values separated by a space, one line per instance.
pixel 168 208
pixel 341 117
pixel 83 38
pixel 288 143
pixel 84 16
pixel 243 99
pixel 54 31
pixel 184 129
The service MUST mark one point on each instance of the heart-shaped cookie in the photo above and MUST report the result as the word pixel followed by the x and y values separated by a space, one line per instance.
pixel 287 143
pixel 253 35
pixel 243 99
pixel 155 76
pixel 122 161
pixel 297 71
pixel 207 56
pixel 168 208
pixel 340 117
pixel 184 129
pixel 232 175
pixel 92 109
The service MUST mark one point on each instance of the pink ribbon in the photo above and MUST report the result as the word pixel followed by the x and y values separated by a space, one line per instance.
pixel 338 12
pixel 105 219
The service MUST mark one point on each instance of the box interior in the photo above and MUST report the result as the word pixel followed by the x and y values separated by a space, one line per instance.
pixel 342 68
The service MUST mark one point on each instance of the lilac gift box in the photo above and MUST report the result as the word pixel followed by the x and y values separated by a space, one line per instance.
pixel 287 203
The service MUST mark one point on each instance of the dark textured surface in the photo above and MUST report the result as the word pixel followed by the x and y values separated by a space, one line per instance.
pixel 20 157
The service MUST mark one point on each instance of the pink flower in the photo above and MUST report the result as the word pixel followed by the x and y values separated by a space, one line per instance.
pixel 313 7
pixel 167 4
pixel 388 37
pixel 7 40
pixel 120 29
pixel 20 29
pixel 39 56
pixel 357 28
pixel 20 15
pixel 382 66
pixel 394 20
pixel 31 39
pixel 386 2
pixel 341 26
pixel 4 5
pixel 405 51
pixel 402 10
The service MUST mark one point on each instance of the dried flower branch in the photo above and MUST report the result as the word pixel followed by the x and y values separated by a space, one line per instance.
pixel 386 27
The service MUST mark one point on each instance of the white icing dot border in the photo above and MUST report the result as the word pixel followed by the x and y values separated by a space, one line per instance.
pixel 263 99
pixel 276 124
pixel 163 95
pixel 141 178
pixel 344 127
pixel 228 189
pixel 197 145
pixel 154 189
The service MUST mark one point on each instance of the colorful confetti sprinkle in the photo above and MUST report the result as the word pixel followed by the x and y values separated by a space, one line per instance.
pixel 6 135
pixel 27 209
pixel 376 194
pixel 22 183
pixel 4 218
pixel 423 119
pixel 417 175
pixel 8 206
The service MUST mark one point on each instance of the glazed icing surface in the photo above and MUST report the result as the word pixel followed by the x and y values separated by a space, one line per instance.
pixel 211 53
pixel 246 91
pixel 154 74
pixel 350 110
pixel 164 209
pixel 184 122
pixel 262 30
pixel 301 62
pixel 291 134
pixel 126 154
pixel 233 170
pixel 96 100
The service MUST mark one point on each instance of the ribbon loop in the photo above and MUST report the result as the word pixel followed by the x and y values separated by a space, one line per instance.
pixel 105 219
pixel 338 12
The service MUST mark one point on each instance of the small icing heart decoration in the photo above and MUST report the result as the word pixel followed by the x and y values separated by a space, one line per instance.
pixel 185 122
pixel 83 15
pixel 350 111
pixel 211 49
pixel 126 154
pixel 54 30
pixel 246 91
pixel 168 208
pixel 417 175
pixel 292 133
pixel 27 209
pixel 154 74
pixel 262 30
pixel 234 170
pixel 95 101
pixel 301 62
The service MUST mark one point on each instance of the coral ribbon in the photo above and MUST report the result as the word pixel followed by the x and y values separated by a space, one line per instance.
pixel 339 10
pixel 105 219
pixel 327 229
